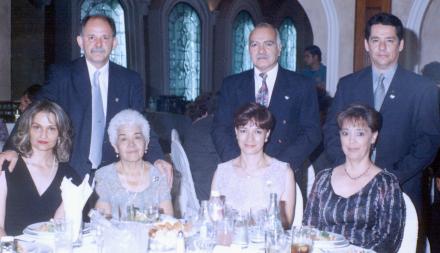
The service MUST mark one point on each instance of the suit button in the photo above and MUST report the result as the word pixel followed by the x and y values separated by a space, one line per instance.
pixel 284 121
pixel 280 141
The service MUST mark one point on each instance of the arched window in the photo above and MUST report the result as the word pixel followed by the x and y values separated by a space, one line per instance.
pixel 184 31
pixel 288 40
pixel 242 27
pixel 111 8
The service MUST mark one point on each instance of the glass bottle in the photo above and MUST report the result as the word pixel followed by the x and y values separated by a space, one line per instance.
pixel 204 222
pixel 274 229
pixel 216 207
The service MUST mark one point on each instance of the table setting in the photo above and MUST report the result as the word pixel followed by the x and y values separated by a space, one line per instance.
pixel 215 228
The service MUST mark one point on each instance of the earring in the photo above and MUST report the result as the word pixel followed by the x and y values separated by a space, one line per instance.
pixel 117 155
pixel 145 150
pixel 58 141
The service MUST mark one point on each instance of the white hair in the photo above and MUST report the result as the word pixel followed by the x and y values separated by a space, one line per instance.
pixel 128 117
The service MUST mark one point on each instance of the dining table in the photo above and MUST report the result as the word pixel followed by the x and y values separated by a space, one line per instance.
pixel 45 244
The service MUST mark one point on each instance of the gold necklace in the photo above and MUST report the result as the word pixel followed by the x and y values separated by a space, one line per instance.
pixel 361 175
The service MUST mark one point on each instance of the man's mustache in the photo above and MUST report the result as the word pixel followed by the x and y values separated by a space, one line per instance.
pixel 98 50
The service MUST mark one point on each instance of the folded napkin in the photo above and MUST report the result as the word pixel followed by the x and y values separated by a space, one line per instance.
pixel 74 198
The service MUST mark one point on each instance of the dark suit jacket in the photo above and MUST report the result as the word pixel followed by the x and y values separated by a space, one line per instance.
pixel 294 106
pixel 202 156
pixel 69 86
pixel 410 134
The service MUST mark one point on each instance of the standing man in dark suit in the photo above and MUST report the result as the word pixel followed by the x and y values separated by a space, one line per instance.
pixel 92 87
pixel 410 133
pixel 290 97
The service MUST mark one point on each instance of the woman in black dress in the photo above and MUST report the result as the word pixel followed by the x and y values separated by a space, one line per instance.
pixel 31 192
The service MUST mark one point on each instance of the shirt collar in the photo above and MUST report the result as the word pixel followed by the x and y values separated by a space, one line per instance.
pixel 92 69
pixel 271 73
pixel 388 74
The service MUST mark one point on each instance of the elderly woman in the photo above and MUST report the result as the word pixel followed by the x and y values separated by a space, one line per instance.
pixel 357 199
pixel 248 180
pixel 31 193
pixel 131 181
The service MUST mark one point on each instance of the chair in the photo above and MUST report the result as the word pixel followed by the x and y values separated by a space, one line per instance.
pixel 409 240
pixel 299 208
pixel 175 135
pixel 310 178
pixel 187 202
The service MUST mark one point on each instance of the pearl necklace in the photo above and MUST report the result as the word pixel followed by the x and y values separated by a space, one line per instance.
pixel 132 195
pixel 361 175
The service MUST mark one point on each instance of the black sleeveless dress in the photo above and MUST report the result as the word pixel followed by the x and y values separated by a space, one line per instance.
pixel 24 205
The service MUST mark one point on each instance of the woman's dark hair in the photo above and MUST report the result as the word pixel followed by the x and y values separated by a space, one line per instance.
pixel 359 112
pixel 384 18
pixel 257 113
pixel 21 139
pixel 204 104
pixel 32 90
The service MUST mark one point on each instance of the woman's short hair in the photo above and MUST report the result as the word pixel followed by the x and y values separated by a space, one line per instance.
pixel 256 113
pixel 21 139
pixel 128 117
pixel 361 113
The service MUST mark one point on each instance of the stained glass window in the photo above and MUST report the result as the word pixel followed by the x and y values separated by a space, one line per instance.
pixel 184 31
pixel 111 8
pixel 242 27
pixel 288 40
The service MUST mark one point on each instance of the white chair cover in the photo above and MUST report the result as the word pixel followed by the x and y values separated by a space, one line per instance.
pixel 310 178
pixel 409 240
pixel 187 202
pixel 299 208
pixel 175 135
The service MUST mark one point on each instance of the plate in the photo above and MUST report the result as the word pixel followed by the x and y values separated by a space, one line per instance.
pixel 32 247
pixel 324 239
pixel 46 229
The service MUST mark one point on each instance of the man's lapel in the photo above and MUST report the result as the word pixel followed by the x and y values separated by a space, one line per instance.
pixel 81 82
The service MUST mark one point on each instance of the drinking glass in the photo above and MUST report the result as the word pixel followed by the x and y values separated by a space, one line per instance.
pixel 152 214
pixel 224 231
pixel 301 240
pixel 240 236
pixel 63 236
pixel 257 226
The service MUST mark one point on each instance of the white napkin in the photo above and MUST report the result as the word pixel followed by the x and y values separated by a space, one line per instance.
pixel 74 198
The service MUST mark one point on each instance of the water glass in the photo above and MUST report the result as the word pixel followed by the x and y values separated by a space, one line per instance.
pixel 152 214
pixel 301 240
pixel 224 231
pixel 63 236
pixel 257 225
pixel 240 236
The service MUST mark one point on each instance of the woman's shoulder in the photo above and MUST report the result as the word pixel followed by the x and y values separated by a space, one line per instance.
pixel 388 177
pixel 324 173
pixel 106 172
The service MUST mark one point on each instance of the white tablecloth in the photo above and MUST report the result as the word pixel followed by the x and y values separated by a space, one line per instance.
pixel 88 246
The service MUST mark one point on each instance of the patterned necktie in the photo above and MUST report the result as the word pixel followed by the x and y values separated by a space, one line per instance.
pixel 263 93
pixel 98 123
pixel 379 93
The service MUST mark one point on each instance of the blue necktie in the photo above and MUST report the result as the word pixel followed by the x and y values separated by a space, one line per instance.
pixel 98 123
